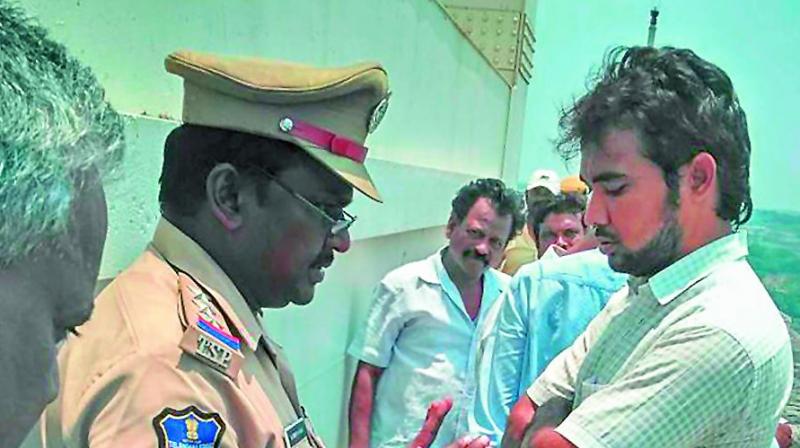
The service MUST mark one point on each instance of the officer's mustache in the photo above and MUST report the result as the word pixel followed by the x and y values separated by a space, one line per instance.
pixel 471 253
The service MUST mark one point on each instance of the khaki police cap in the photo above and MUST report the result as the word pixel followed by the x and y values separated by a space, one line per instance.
pixel 328 112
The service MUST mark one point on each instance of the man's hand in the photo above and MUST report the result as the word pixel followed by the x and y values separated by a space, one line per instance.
pixel 784 435
pixel 433 421
pixel 471 442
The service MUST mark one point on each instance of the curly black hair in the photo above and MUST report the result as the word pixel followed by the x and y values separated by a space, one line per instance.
pixel 507 201
pixel 679 105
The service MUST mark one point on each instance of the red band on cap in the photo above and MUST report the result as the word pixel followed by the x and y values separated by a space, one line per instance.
pixel 327 140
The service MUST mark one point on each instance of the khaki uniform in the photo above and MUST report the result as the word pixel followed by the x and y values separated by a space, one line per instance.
pixel 138 357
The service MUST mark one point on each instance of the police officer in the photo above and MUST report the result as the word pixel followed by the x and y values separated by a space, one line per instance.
pixel 253 191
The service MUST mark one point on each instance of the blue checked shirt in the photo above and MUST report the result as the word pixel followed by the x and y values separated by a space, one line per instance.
pixel 547 306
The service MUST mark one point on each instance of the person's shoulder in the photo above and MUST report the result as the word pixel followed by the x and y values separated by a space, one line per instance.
pixel 135 318
pixel 501 278
pixel 588 267
pixel 729 289
pixel 139 307
pixel 733 299
pixel 410 273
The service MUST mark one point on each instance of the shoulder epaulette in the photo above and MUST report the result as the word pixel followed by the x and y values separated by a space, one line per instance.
pixel 206 336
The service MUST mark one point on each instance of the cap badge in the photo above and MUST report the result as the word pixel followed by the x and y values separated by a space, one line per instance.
pixel 377 114
pixel 286 124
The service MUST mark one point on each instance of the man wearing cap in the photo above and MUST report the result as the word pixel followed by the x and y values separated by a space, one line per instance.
pixel 542 185
pixel 253 190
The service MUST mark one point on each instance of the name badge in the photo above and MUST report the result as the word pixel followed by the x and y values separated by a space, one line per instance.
pixel 295 433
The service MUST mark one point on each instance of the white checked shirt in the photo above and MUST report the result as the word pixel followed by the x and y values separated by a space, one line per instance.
pixel 695 356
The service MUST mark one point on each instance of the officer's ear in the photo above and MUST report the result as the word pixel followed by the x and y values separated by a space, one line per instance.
pixel 223 193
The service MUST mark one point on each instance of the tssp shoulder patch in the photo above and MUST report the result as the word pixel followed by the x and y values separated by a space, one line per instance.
pixel 188 428
pixel 207 336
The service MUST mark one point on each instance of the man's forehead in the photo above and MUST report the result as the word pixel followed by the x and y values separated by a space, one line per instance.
pixel 613 157
pixel 483 212
pixel 562 216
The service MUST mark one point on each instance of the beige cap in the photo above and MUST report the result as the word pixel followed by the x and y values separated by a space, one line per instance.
pixel 326 111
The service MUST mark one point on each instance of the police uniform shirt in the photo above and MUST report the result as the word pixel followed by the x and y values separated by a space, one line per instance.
pixel 173 356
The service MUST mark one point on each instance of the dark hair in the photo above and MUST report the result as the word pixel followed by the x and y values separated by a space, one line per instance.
pixel 561 203
pixel 191 152
pixel 507 201
pixel 679 105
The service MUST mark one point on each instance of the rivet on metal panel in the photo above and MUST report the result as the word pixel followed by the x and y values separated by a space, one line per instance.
pixel 513 32
pixel 497 48
pixel 499 32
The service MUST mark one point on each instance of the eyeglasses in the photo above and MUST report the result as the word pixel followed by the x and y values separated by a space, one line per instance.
pixel 337 224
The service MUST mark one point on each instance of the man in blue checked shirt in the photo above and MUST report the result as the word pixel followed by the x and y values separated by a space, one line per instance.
pixel 548 304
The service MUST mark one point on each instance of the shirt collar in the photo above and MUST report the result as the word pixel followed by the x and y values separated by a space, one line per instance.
pixel 430 270
pixel 180 250
pixel 435 273
pixel 669 283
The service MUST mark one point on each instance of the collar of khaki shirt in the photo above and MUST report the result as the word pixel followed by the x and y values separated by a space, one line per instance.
pixel 179 249
pixel 676 278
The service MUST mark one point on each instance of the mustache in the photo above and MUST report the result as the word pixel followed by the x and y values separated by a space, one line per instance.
pixel 471 253
pixel 605 233
pixel 323 260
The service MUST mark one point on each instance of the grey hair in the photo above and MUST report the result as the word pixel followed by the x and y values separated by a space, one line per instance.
pixel 54 125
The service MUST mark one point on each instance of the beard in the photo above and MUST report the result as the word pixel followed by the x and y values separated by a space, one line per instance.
pixel 661 251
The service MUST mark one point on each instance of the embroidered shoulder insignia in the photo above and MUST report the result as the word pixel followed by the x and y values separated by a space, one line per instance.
pixel 189 427
pixel 207 336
